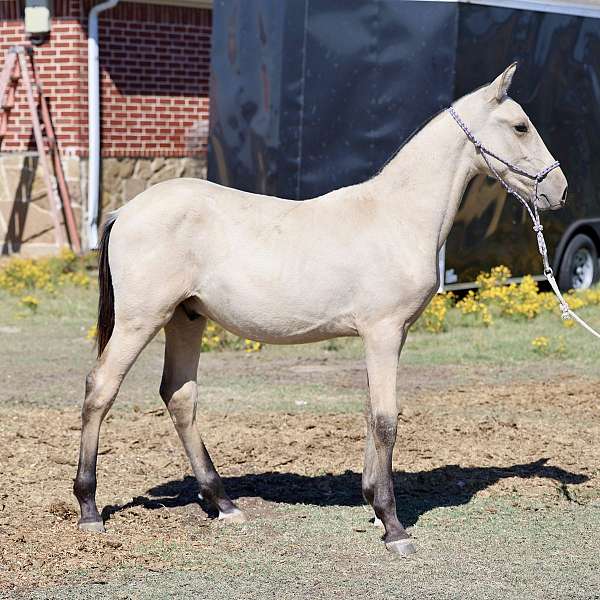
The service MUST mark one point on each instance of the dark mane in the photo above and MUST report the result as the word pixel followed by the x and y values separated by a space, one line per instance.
pixel 409 138
pixel 419 128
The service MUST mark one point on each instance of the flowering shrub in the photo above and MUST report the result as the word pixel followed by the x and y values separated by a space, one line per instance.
pixel 433 318
pixel 493 279
pixel 496 298
pixel 509 300
pixel 252 346
pixel 548 302
pixel 471 304
pixel 217 338
pixel 590 297
pixel 542 345
pixel 31 302
pixel 21 275
pixel 521 301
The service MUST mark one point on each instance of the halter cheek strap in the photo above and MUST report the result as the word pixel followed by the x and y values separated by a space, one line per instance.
pixel 530 205
pixel 486 153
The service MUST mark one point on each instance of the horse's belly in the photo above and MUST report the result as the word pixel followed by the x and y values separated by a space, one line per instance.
pixel 291 333
pixel 277 316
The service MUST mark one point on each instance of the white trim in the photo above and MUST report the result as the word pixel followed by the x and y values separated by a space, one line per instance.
pixel 578 9
pixel 94 139
pixel 471 285
pixel 184 3
pixel 442 268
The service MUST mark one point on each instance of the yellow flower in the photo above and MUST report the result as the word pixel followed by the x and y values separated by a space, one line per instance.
pixel 252 346
pixel 540 344
pixel 20 274
pixel 496 277
pixel 575 300
pixel 216 338
pixel 433 318
pixel 31 302
pixel 471 304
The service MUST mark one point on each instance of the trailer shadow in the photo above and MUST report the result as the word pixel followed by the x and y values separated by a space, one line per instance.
pixel 417 492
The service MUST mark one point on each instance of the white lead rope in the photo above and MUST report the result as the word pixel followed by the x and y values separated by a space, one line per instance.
pixel 566 312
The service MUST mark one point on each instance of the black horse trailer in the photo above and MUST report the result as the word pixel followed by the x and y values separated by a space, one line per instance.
pixel 312 95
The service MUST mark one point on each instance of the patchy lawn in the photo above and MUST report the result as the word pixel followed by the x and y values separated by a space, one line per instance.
pixel 497 469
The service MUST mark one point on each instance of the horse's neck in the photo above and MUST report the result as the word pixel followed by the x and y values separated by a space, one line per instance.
pixel 424 183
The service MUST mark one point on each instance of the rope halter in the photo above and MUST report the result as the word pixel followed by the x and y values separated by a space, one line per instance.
pixel 486 153
pixel 530 205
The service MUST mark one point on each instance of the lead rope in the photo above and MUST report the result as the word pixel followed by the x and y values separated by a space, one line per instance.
pixel 566 312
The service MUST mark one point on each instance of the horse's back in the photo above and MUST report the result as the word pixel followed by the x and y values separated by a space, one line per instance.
pixel 244 257
pixel 198 194
pixel 182 207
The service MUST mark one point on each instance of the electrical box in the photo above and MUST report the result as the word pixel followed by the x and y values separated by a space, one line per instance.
pixel 37 16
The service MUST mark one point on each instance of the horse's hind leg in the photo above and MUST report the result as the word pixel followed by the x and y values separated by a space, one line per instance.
pixel 179 391
pixel 102 386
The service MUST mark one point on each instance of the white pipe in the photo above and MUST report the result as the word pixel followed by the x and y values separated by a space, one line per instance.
pixel 442 268
pixel 94 122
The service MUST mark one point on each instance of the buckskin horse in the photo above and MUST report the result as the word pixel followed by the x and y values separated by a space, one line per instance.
pixel 358 261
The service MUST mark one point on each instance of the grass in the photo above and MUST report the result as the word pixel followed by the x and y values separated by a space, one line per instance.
pixel 502 350
pixel 524 536
pixel 485 550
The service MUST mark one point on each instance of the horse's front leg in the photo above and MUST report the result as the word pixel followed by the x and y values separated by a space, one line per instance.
pixel 383 344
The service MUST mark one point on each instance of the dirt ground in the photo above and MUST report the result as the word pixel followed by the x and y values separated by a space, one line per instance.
pixel 497 471
pixel 519 442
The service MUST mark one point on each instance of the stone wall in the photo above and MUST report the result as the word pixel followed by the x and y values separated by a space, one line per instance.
pixel 125 178
pixel 155 73
pixel 25 221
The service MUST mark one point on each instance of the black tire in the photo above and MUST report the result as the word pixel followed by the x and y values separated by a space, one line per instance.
pixel 576 272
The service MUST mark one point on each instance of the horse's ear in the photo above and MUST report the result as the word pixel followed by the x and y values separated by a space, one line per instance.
pixel 499 87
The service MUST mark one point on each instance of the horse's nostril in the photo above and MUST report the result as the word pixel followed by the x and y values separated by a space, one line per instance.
pixel 564 196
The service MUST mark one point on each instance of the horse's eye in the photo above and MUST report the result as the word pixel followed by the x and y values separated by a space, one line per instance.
pixel 521 128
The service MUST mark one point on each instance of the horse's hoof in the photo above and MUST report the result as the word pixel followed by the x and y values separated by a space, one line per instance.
pixel 92 526
pixel 401 547
pixel 233 516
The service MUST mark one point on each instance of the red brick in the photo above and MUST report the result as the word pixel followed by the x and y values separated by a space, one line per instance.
pixel 154 77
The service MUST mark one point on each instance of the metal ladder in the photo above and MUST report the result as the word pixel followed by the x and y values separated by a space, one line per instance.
pixel 15 68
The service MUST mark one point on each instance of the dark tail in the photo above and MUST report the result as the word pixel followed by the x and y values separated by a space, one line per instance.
pixel 106 301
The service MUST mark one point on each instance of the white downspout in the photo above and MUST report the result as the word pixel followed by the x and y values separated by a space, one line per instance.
pixel 94 122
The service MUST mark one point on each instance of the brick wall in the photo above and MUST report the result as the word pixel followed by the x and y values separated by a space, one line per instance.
pixel 61 68
pixel 154 78
pixel 155 64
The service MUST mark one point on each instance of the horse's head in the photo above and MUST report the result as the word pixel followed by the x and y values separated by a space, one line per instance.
pixel 503 127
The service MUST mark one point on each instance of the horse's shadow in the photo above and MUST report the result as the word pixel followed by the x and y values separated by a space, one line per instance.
pixel 417 492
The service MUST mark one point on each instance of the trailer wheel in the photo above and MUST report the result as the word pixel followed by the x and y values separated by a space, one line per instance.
pixel 579 265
